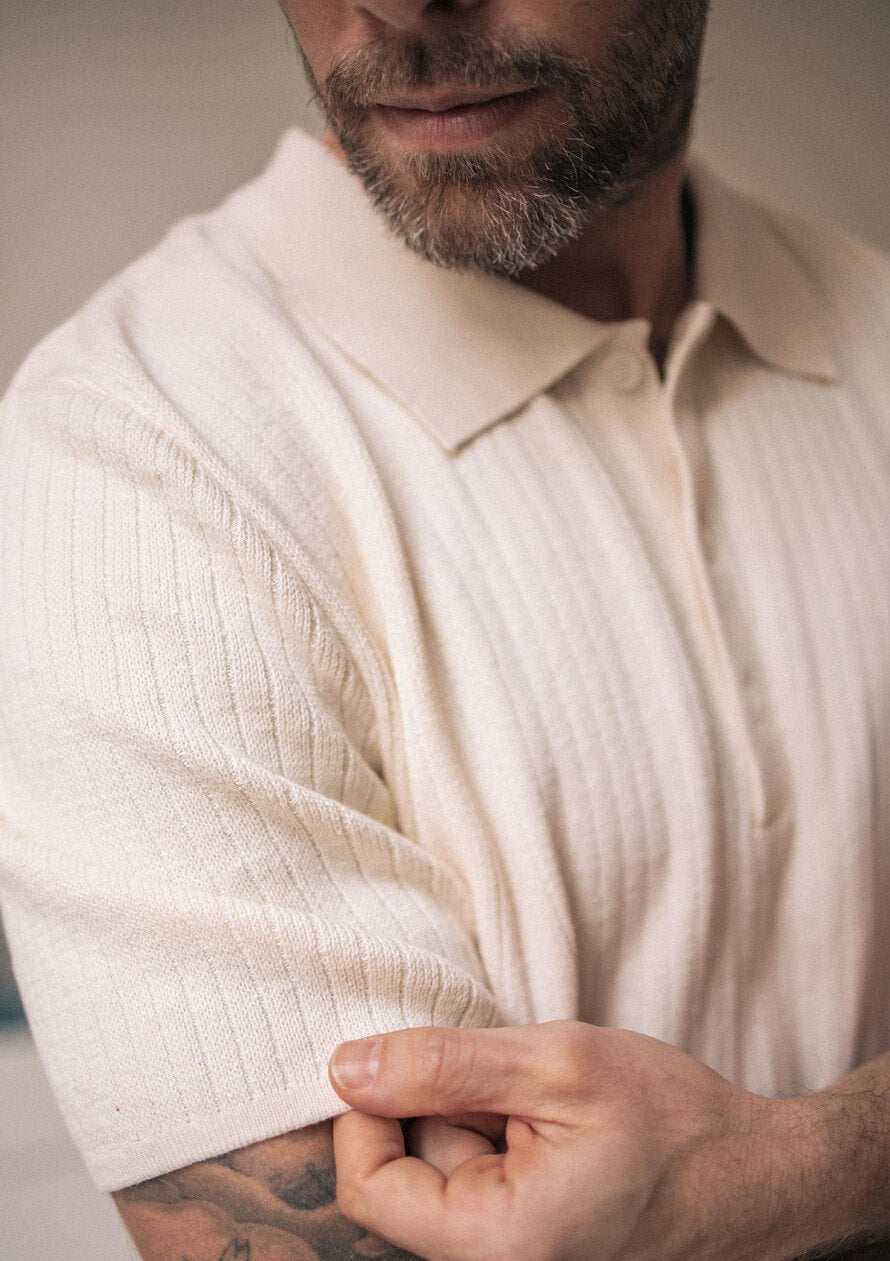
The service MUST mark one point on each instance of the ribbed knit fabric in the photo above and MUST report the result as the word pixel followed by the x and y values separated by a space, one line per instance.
pixel 317 721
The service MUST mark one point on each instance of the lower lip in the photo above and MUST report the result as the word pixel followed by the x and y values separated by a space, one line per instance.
pixel 461 125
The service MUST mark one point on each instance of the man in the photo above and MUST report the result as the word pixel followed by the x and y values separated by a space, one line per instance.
pixel 446 606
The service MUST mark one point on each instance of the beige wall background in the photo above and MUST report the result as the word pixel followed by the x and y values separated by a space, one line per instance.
pixel 119 116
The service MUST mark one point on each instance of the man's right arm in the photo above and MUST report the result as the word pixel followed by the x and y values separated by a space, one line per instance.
pixel 199 836
pixel 272 1201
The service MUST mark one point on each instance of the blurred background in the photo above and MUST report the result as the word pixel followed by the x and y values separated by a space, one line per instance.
pixel 118 117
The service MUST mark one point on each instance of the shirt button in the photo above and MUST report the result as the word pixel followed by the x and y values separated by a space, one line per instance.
pixel 626 371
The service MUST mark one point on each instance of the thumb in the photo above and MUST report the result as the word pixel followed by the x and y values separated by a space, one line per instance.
pixel 527 1070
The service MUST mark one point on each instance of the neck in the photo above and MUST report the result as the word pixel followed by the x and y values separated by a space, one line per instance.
pixel 632 261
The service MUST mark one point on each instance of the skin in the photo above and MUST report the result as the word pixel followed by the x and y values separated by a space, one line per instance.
pixel 558 1140
pixel 276 1200
pixel 271 1201
pixel 631 260
pixel 616 1146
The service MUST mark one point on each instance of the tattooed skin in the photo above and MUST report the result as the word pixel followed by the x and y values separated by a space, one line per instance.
pixel 272 1201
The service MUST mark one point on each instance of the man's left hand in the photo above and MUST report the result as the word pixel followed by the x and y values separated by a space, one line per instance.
pixel 615 1145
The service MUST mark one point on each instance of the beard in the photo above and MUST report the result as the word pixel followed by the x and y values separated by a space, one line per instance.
pixel 613 122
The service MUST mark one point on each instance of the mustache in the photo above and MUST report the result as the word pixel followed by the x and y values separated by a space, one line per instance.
pixel 462 59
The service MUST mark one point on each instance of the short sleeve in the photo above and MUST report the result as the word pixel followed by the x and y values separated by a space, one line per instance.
pixel 203 878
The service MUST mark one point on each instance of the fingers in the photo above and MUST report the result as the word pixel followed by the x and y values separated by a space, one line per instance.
pixel 490 1125
pixel 411 1204
pixel 443 1145
pixel 529 1070
pixel 393 1195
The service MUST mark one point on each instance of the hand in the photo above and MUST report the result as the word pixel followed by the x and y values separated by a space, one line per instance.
pixel 616 1146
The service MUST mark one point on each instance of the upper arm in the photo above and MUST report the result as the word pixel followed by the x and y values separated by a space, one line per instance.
pixel 271 1201
pixel 204 882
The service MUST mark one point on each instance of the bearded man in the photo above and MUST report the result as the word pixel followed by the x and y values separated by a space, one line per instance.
pixel 446 614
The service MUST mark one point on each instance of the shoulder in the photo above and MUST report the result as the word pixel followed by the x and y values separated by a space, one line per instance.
pixel 843 270
pixel 796 280
pixel 157 447
pixel 849 281
pixel 852 276
pixel 194 325
pixel 188 367
pixel 181 401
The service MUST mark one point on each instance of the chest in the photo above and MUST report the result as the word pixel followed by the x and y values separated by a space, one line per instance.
pixel 669 669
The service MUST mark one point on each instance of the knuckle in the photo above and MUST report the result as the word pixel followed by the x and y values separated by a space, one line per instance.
pixel 446 1064
pixel 571 1058
pixel 351 1201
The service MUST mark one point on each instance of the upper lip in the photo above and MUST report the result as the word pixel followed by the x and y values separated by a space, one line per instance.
pixel 435 103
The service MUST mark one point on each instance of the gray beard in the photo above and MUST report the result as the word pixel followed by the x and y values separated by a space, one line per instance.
pixel 502 228
pixel 484 212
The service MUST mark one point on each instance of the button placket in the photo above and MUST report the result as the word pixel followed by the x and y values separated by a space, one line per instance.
pixel 767 772
pixel 732 648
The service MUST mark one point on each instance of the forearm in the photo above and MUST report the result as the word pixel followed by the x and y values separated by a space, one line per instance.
pixel 817 1184
pixel 844 1134
pixel 799 1178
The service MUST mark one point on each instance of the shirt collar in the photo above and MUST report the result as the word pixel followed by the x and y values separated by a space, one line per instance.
pixel 750 274
pixel 463 351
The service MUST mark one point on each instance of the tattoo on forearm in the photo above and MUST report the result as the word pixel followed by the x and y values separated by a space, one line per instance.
pixel 236 1252
pixel 273 1201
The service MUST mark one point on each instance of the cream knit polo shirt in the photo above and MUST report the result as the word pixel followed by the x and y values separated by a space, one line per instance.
pixel 382 646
